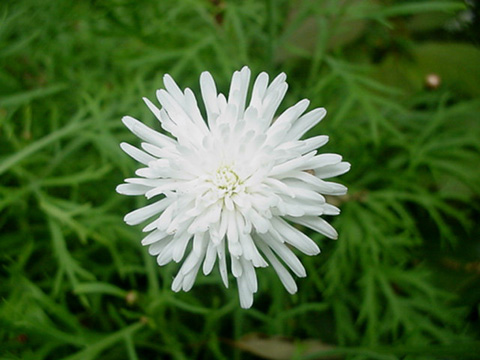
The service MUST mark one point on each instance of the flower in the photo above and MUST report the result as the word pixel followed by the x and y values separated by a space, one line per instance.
pixel 229 188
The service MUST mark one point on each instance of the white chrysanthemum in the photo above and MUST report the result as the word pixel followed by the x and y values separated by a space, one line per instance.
pixel 227 188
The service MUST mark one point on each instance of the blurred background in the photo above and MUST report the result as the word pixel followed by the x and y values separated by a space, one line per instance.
pixel 401 83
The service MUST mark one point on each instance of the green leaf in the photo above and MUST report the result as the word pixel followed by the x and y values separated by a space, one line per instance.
pixel 27 96
pixel 99 288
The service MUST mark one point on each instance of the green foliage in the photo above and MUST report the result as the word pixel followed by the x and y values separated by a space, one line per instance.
pixel 402 281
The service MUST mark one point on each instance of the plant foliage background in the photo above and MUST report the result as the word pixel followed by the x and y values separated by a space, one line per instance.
pixel 402 281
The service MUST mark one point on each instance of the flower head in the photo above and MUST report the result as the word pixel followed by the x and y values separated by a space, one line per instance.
pixel 228 188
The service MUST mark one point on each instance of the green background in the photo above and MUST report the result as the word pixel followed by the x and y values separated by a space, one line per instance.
pixel 401 282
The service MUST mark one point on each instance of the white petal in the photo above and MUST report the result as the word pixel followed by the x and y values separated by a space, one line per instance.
pixel 322 160
pixel 329 209
pixel 153 108
pixel 260 223
pixel 190 263
pixel 300 207
pixel 146 182
pixel 151 226
pixel 209 95
pixel 304 191
pixel 317 224
pixel 145 133
pixel 232 231
pixel 279 186
pixel 285 254
pixel 137 216
pixel 306 122
pixel 222 103
pixel 250 251
pixel 292 165
pixel 285 277
pixel 271 103
pixel 181 243
pixel 244 292
pixel 332 170
pixel 156 248
pixel 207 217
pixel 178 282
pixel 156 151
pixel 193 111
pixel 324 187
pixel 313 143
pixel 166 254
pixel 237 269
pixel 210 258
pixel 259 89
pixel 282 230
pixel 173 89
pixel 137 154
pixel 291 114
pixel 289 207
pixel 132 189
pixel 222 263
pixel 199 244
pixel 249 274
pixel 154 236
pixel 165 219
pixel 172 107
pixel 238 90
pixel 189 279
